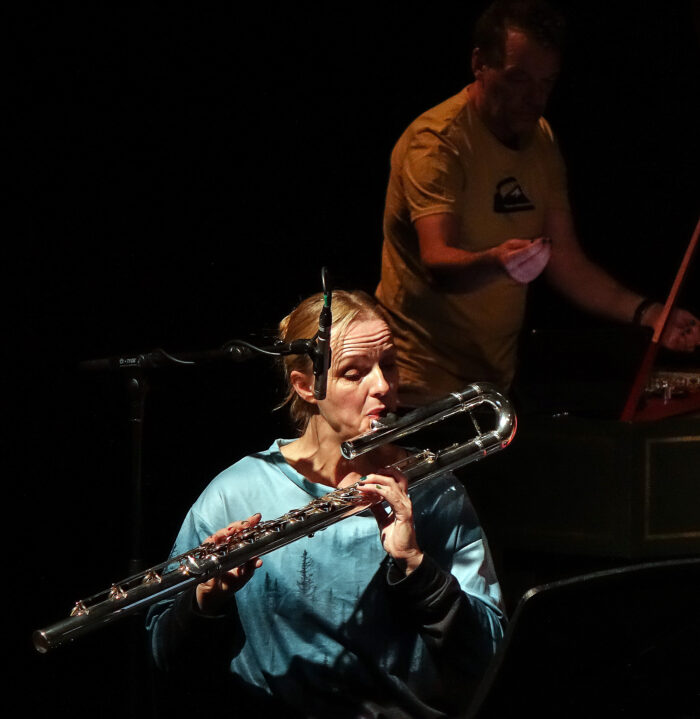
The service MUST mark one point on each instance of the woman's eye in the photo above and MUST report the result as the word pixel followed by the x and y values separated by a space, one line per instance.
pixel 388 366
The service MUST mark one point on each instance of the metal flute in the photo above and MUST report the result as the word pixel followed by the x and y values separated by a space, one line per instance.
pixel 179 573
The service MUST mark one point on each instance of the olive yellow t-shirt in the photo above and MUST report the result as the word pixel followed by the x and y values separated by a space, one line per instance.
pixel 447 161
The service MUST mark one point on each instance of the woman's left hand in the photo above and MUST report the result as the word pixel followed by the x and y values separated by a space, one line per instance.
pixel 396 527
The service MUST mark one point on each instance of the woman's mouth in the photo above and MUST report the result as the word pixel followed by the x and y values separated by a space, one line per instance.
pixel 377 413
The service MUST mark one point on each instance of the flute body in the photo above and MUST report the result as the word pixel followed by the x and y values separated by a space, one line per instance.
pixel 179 573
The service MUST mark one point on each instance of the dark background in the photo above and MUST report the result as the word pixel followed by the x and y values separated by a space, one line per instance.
pixel 178 179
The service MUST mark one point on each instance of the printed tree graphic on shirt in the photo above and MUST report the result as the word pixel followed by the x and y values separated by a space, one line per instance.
pixel 272 591
pixel 305 582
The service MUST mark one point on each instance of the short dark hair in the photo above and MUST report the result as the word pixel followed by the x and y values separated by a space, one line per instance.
pixel 535 18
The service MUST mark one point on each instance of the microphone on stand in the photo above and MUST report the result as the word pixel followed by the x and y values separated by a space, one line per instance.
pixel 234 351
pixel 322 354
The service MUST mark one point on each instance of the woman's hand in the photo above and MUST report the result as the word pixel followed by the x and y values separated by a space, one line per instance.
pixel 214 593
pixel 396 528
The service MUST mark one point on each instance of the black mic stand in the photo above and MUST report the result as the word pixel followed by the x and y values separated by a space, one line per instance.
pixel 321 356
pixel 133 368
pixel 137 388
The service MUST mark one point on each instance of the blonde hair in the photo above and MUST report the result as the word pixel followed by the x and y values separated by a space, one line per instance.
pixel 302 323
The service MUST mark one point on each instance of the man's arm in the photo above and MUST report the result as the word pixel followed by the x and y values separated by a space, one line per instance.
pixel 591 288
pixel 586 284
pixel 457 269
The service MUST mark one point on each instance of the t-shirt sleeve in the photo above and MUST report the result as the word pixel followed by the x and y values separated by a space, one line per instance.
pixel 433 179
pixel 558 196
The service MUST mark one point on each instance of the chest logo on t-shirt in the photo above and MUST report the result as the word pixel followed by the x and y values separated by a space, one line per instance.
pixel 510 197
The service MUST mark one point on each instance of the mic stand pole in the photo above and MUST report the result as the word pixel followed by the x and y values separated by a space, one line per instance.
pixel 134 368
pixel 137 388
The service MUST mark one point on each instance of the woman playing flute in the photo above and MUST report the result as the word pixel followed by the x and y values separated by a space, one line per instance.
pixel 395 611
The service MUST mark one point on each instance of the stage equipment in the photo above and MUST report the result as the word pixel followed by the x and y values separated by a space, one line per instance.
pixel 606 464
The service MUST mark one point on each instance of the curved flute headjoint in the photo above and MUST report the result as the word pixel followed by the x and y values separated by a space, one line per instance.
pixel 473 396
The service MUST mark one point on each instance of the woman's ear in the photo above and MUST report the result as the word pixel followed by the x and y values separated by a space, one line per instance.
pixel 303 385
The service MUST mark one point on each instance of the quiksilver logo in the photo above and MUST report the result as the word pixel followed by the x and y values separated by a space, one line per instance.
pixel 510 197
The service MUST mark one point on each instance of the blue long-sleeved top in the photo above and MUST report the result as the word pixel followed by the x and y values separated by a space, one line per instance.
pixel 328 624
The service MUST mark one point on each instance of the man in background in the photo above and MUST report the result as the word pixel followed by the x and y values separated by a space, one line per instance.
pixel 477 207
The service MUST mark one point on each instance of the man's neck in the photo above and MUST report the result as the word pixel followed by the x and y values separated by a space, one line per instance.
pixel 506 137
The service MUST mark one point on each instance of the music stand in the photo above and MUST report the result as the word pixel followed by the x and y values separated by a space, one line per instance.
pixel 653 407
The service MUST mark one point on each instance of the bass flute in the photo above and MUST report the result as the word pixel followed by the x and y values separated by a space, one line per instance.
pixel 179 573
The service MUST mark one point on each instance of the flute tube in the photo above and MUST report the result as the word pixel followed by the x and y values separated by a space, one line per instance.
pixel 202 563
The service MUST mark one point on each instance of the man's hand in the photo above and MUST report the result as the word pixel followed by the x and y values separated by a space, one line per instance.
pixel 682 331
pixel 523 260
pixel 460 270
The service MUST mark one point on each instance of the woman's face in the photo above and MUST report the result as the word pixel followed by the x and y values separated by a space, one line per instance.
pixel 362 378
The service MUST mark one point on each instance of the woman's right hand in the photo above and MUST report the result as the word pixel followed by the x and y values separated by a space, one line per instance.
pixel 214 593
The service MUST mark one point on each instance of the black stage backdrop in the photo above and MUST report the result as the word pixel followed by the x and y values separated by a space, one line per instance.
pixel 179 176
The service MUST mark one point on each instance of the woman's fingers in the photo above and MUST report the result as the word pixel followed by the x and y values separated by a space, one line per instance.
pixel 221 535
pixel 212 593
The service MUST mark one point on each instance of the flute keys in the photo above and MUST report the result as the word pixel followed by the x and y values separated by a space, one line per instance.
pixel 116 592
pixel 296 515
pixel 267 530
pixel 79 609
